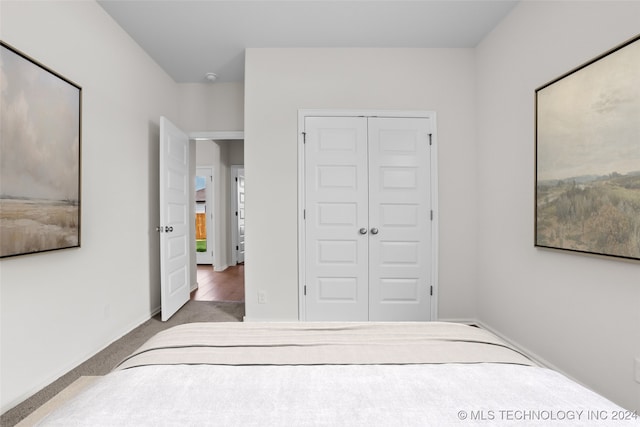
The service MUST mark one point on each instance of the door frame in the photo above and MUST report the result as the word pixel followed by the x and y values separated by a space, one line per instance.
pixel 302 115
pixel 206 136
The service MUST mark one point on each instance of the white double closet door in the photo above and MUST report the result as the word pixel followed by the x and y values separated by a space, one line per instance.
pixel 367 226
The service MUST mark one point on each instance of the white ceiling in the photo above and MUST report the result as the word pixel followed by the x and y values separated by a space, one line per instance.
pixel 190 38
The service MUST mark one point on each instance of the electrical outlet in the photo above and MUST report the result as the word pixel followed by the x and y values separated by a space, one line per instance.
pixel 262 297
pixel 638 369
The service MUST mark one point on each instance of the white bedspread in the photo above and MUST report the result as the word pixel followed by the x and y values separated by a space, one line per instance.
pixel 334 374
pixel 338 395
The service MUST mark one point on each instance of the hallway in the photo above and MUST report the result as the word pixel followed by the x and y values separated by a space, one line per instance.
pixel 227 285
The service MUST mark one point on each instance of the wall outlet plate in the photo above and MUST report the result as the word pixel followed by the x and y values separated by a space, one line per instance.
pixel 262 297
pixel 638 369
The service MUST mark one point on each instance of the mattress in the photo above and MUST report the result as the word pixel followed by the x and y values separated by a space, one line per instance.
pixel 333 374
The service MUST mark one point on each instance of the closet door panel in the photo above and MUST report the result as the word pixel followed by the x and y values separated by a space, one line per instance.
pixel 399 219
pixel 336 274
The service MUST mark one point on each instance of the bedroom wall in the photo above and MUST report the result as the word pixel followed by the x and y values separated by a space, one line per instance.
pixel 278 82
pixel 577 312
pixel 59 308
pixel 211 106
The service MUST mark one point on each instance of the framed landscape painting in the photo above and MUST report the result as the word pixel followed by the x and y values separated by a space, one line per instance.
pixel 39 157
pixel 588 157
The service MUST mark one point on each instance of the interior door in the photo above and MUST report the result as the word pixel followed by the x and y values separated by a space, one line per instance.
pixel 174 218
pixel 240 213
pixel 399 219
pixel 367 218
pixel 336 223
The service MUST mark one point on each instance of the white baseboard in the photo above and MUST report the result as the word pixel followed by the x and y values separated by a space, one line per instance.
pixel 530 354
pixel 75 363
pixel 220 268
pixel 536 358
pixel 466 321
pixel 250 319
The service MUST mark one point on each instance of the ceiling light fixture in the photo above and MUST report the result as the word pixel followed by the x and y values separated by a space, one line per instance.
pixel 211 77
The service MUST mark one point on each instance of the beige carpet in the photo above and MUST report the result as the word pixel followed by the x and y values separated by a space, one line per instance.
pixel 104 361
pixel 76 387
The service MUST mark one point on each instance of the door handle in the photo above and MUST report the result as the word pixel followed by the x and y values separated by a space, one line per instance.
pixel 374 231
pixel 363 230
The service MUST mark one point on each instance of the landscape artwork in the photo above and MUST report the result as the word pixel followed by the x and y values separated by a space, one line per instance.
pixel 588 157
pixel 39 157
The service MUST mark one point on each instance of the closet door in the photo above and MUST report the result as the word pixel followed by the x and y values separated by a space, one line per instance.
pixel 336 226
pixel 367 218
pixel 399 219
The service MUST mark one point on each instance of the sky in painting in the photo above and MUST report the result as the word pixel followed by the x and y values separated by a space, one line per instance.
pixel 39 132
pixel 589 121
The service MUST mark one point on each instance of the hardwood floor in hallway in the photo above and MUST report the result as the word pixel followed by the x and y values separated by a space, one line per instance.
pixel 227 285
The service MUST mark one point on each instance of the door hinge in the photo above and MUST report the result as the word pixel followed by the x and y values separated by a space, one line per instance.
pixel 236 213
pixel 431 290
pixel 431 215
pixel 304 137
pixel 305 289
pixel 236 179
pixel 304 214
pixel 430 140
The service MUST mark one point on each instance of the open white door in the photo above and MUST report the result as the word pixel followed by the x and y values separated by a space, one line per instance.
pixel 174 218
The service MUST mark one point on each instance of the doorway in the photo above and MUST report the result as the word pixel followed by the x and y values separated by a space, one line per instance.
pixel 177 228
pixel 219 278
pixel 204 208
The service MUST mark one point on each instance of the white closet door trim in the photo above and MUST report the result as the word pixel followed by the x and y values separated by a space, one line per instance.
pixel 301 193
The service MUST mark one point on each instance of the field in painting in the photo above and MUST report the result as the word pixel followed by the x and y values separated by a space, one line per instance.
pixel 28 226
pixel 592 214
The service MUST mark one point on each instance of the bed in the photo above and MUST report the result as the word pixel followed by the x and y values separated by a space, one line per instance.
pixel 333 374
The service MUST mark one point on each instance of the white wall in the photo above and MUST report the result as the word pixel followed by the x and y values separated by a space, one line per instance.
pixel 61 307
pixel 211 106
pixel 236 152
pixel 278 82
pixel 580 313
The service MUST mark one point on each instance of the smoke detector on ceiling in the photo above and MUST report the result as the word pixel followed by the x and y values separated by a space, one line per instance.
pixel 211 77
